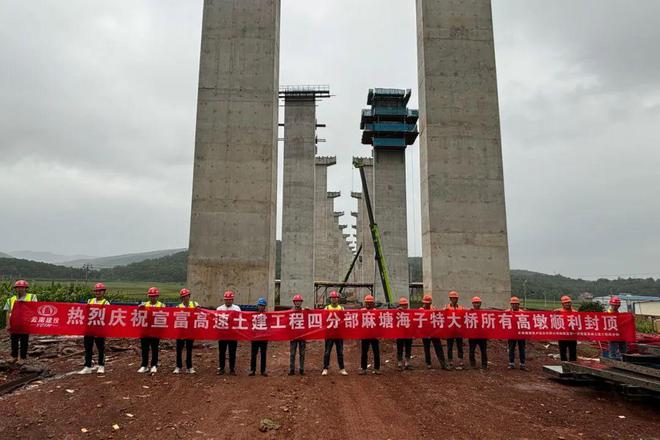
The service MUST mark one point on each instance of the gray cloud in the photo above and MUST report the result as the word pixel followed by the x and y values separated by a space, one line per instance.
pixel 97 114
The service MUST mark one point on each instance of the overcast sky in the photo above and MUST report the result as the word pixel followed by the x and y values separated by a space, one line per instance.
pixel 98 100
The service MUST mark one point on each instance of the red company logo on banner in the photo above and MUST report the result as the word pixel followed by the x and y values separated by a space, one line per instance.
pixel 201 324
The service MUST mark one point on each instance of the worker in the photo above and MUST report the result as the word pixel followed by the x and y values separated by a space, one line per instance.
pixel 453 306
pixel 427 304
pixel 521 343
pixel 369 304
pixel 19 341
pixel 150 343
pixel 334 306
pixel 616 348
pixel 297 344
pixel 567 347
pixel 403 345
pixel 225 345
pixel 186 303
pixel 259 345
pixel 473 343
pixel 90 341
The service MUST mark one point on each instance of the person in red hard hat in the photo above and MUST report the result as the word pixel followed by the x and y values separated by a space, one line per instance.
pixel 521 343
pixel 19 341
pixel 427 304
pixel 186 303
pixel 453 305
pixel 339 343
pixel 227 345
pixel 616 348
pixel 369 304
pixel 567 347
pixel 152 344
pixel 90 341
pixel 403 345
pixel 478 342
pixel 297 344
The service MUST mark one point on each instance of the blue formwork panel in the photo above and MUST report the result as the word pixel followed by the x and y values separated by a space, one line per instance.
pixel 389 142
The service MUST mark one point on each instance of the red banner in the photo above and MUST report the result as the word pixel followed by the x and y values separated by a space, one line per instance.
pixel 201 324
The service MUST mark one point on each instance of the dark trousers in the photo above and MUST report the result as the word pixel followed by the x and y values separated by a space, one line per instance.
pixel 403 345
pixel 88 342
pixel 617 349
pixel 180 343
pixel 258 346
pixel 568 350
pixel 19 340
pixel 521 351
pixel 437 347
pixel 300 346
pixel 450 348
pixel 483 349
pixel 339 343
pixel 364 352
pixel 146 345
pixel 222 349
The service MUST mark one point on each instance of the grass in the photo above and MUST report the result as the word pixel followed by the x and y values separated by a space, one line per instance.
pixel 540 304
pixel 138 290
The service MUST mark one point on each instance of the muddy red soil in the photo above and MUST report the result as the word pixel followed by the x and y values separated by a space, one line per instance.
pixel 417 404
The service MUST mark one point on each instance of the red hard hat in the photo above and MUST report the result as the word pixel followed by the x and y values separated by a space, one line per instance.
pixel 565 299
pixel 427 299
pixel 153 291
pixel 334 294
pixel 297 298
pixel 515 300
pixel 369 299
pixel 21 283
pixel 184 292
pixel 229 294
pixel 476 299
pixel 615 301
pixel 99 286
pixel 403 301
pixel 453 294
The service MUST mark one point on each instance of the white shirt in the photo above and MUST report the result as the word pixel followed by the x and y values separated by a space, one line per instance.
pixel 233 307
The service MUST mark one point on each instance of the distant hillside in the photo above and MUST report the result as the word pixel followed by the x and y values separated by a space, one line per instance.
pixel 172 268
pixel 45 257
pixel 3 255
pixel 120 260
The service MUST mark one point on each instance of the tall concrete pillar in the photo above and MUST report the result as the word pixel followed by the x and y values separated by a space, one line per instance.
pixel 464 234
pixel 297 276
pixel 389 199
pixel 232 227
pixel 322 221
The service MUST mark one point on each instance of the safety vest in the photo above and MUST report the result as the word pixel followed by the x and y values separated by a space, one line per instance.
pixel 101 302
pixel 191 305
pixel 13 299
pixel 331 307
pixel 450 307
pixel 158 304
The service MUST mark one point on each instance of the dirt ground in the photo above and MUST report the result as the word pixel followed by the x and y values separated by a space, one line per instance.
pixel 417 404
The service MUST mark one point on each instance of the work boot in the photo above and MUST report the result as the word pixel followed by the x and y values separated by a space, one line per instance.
pixel 511 366
pixel 252 373
pixel 459 366
pixel 86 370
pixel 191 371
pixel 302 372
pixel 399 366
pixel 143 370
pixel 264 374
pixel 445 366
pixel 177 370
pixel 221 371
pixel 100 370
pixel 377 372
pixel 324 372
pixel 362 372
pixel 523 367
pixel 343 372
pixel 407 366
pixel 153 370
pixel 292 372
pixel 20 361
pixel 429 366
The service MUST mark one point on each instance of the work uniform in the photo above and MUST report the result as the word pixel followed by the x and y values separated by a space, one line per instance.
pixel 152 344
pixel 227 345
pixel 617 348
pixel 364 352
pixel 187 343
pixel 454 341
pixel 19 341
pixel 521 343
pixel 298 345
pixel 339 343
pixel 482 343
pixel 437 347
pixel 90 341
pixel 567 347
